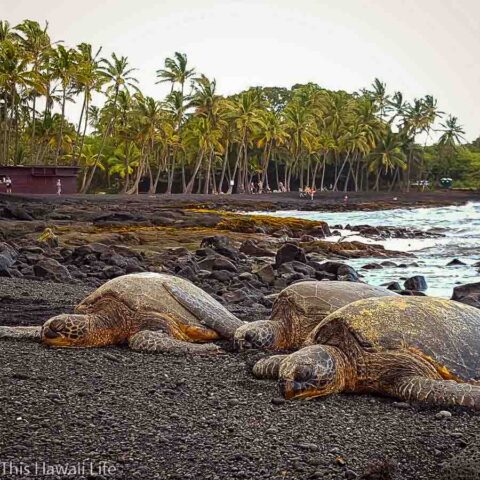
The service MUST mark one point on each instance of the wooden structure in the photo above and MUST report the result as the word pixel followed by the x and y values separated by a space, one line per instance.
pixel 39 179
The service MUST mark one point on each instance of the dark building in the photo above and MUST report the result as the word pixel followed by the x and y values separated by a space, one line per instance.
pixel 39 179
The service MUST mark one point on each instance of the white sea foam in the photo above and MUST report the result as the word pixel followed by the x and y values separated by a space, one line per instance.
pixel 459 224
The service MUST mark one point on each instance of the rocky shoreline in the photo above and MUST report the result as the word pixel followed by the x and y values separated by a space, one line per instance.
pixel 190 417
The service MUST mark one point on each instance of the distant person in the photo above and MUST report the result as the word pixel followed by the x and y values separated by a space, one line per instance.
pixel 281 187
pixel 312 193
pixel 59 187
pixel 8 184
pixel 345 200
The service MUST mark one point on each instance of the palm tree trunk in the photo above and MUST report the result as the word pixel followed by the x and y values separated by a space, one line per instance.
pixel 104 140
pixel 337 178
pixel 60 133
pixel 323 171
pixel 207 174
pixel 79 128
pixel 191 182
pixel 224 167
pixel 34 118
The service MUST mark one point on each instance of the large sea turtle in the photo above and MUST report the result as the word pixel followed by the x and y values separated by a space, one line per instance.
pixel 298 309
pixel 413 348
pixel 153 312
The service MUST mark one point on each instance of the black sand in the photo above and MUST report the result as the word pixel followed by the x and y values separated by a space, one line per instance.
pixel 159 417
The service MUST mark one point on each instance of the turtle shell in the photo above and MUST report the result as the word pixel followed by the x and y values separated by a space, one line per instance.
pixel 147 292
pixel 305 304
pixel 444 331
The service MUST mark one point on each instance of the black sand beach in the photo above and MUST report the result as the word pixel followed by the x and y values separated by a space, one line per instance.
pixel 161 417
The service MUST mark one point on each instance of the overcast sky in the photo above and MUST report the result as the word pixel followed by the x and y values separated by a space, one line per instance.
pixel 416 46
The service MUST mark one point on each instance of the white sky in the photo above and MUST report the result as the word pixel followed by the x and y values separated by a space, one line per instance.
pixel 416 46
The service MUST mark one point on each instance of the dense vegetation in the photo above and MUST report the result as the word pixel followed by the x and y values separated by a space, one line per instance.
pixel 196 140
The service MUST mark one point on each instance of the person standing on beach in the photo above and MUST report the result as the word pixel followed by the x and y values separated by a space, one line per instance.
pixel 8 184
pixel 59 187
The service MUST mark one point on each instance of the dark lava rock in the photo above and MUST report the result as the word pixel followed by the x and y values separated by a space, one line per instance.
pixel 392 286
pixel 222 245
pixel 51 269
pixel 455 262
pixel 411 293
pixel 251 248
pixel 468 293
pixel 222 275
pixel 289 252
pixel 16 212
pixel 266 274
pixel 417 282
pixel 372 266
pixel 8 256
pixel 112 271
pixel 341 271
pixel 220 263
pixel 388 263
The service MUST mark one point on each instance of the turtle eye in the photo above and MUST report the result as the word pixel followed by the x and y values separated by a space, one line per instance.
pixel 57 325
pixel 304 373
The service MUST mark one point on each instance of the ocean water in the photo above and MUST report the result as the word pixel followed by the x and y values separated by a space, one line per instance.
pixel 459 224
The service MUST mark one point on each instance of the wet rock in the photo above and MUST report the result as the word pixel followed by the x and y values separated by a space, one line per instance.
pixel 308 238
pixel 417 282
pixel 340 270
pixel 468 293
pixel 388 263
pixel 289 252
pixel 455 262
pixel 372 266
pixel 392 286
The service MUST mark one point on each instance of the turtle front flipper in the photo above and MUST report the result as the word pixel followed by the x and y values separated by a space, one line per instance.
pixel 268 368
pixel 208 311
pixel 160 342
pixel 416 388
pixel 28 334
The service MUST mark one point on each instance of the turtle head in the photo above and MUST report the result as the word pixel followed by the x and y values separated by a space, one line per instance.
pixel 261 334
pixel 314 371
pixel 66 331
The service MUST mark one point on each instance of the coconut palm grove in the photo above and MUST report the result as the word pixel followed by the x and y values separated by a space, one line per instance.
pixel 197 141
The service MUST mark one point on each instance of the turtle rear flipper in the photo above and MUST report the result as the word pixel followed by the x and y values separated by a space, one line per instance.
pixel 436 392
pixel 160 342
pixel 27 334
pixel 208 312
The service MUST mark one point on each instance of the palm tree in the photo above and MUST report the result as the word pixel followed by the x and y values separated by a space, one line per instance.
pixel 246 111
pixel 118 75
pixel 452 132
pixel 15 77
pixel 388 155
pixel 37 46
pixel 175 71
pixel 88 79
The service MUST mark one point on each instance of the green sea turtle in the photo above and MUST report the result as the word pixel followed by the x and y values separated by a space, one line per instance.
pixel 298 309
pixel 413 348
pixel 153 312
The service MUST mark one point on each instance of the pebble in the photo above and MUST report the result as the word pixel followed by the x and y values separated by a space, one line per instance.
pixel 443 414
